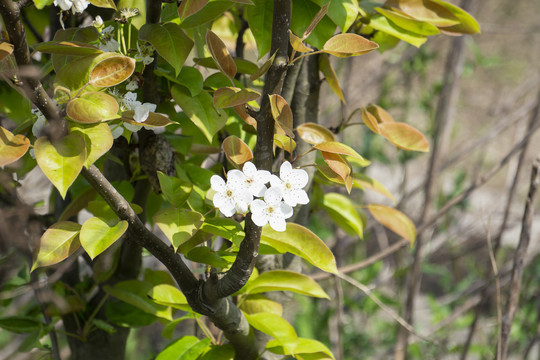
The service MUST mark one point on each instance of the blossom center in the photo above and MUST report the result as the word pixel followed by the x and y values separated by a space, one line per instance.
pixel 229 193
pixel 271 210
pixel 288 186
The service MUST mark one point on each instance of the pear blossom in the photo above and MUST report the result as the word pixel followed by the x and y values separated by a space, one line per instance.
pixel 127 13
pixel 272 210
pixel 39 124
pixel 63 4
pixel 108 43
pixel 230 197
pixel 145 53
pixel 98 22
pixel 255 180
pixel 132 85
pixel 79 6
pixel 143 111
pixel 291 183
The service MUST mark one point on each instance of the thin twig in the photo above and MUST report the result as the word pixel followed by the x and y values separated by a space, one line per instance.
pixel 497 292
pixel 519 257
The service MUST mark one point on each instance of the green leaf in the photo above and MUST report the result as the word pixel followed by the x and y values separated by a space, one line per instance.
pixel 179 225
pixel 103 325
pixel 190 7
pixel 140 19
pixel 200 111
pixel 408 23
pixel 189 77
pixel 342 149
pixel 20 324
pixel 75 48
pixel 12 147
pixel 93 107
pixel 169 295
pixel 98 140
pixel 175 190
pixel 282 280
pixel 395 220
pixel 57 243
pixel 300 241
pixel 304 346
pixel 303 12
pixel 260 23
pixel 96 235
pixel 126 315
pixel 205 255
pixel 134 292
pixel 168 330
pixel 429 11
pixel 185 348
pixel 61 162
pixel 224 227
pixel 467 25
pixel 342 210
pixel 170 42
pixel 382 24
pixel 263 69
pixel 219 352
pixel 343 13
pixel 232 96
pixel 275 326
pixel 330 76
pixel 85 35
pixel 40 4
pixel 258 303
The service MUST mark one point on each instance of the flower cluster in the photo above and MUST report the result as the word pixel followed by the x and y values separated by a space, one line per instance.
pixel 107 41
pixel 145 53
pixel 238 194
pixel 76 6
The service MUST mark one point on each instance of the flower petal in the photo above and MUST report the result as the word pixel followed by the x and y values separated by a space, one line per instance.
pixel 228 211
pixel 241 207
pixel 235 178
pixel 298 178
pixel 273 196
pixel 258 206
pixel 263 176
pixel 286 210
pixel 217 183
pixel 275 181
pixel 249 169
pixel 285 169
pixel 296 196
pixel 278 223
pixel 220 200
pixel 258 189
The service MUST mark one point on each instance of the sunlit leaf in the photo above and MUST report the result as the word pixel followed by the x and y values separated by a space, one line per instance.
pixel 304 13
pixel 342 149
pixel 112 71
pixel 384 25
pixel 395 220
pixel 168 295
pixel 241 111
pixel 76 48
pixel 185 348
pixel 275 326
pixel 467 23
pixel 205 255
pixel 330 76
pixel 344 45
pixel 300 241
pixel 5 49
pixel 237 151
pixel 426 10
pixel 263 69
pixel 170 42
pixel 343 13
pixel 282 280
pixel 208 13
pixel 231 96
pixel 282 113
pixel 220 54
pixel 341 167
pixel 342 210
pixel 98 139
pixel 285 143
pixel 97 235
pixel 370 121
pixel 219 352
pixel 408 23
pixel 258 303
pixel 12 147
pixel 178 224
pixel 62 161
pixel 314 133
pixel 57 243
pixel 381 115
pixel 103 3
pixel 304 346
pixel 297 43
pixel 190 7
pixel 404 136
pixel 92 107
pixel 243 66
pixel 224 227
pixel 175 190
pixel 134 292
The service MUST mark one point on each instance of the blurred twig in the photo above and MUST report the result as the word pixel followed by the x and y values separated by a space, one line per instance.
pixel 519 257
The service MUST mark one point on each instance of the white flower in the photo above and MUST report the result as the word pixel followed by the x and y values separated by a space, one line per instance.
pixel 230 196
pixel 291 182
pixel 145 53
pixel 79 6
pixel 107 31
pixel 127 13
pixel 109 45
pixel 143 111
pixel 132 85
pixel 98 22
pixel 39 124
pixel 63 4
pixel 116 130
pixel 272 210
pixel 255 180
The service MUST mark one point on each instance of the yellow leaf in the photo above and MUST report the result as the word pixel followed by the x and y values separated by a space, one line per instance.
pixel 236 150
pixel 404 136
pixel 394 220
pixel 314 133
pixel 12 147
pixel 344 45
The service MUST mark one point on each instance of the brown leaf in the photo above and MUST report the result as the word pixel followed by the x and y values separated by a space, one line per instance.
pixel 281 112
pixel 232 96
pixel 236 150
pixel 342 149
pixel 370 121
pixel 297 43
pixel 190 7
pixel 220 54
pixel 330 76
pixel 314 133
pixel 112 71
pixel 341 167
pixel 241 111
